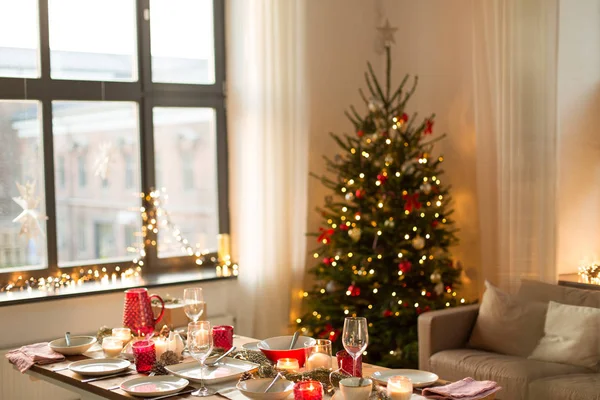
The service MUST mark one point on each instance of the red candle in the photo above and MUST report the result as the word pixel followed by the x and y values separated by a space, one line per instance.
pixel 223 336
pixel 346 364
pixel 308 390
pixel 144 355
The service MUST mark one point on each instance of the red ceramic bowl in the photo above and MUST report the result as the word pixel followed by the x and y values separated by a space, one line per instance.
pixel 277 347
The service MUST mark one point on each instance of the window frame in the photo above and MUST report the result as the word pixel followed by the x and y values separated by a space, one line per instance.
pixel 147 95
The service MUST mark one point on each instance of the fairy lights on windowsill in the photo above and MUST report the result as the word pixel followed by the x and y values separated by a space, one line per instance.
pixel 154 219
pixel 589 274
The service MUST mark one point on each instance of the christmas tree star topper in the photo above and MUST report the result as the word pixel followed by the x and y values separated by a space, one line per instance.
pixel 387 33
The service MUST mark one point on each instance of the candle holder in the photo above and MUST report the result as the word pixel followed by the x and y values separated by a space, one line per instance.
pixel 318 355
pixel 144 355
pixel 223 336
pixel 122 333
pixel 288 364
pixel 112 346
pixel 346 364
pixel 399 388
pixel 308 390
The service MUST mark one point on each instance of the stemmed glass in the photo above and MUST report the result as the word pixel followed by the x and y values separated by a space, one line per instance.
pixel 200 345
pixel 355 338
pixel 193 301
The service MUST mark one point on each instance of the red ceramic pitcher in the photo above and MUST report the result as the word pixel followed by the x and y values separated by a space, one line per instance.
pixel 137 311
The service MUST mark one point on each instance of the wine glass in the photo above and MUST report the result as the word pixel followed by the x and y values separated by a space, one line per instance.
pixel 355 338
pixel 193 301
pixel 200 345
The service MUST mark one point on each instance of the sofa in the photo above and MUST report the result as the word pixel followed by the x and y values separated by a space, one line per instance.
pixel 445 349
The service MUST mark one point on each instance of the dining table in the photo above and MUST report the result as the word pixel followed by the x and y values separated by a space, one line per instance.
pixel 58 374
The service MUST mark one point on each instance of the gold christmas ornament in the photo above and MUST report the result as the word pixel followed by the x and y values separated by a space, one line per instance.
pixel 354 234
pixel 436 277
pixel 418 242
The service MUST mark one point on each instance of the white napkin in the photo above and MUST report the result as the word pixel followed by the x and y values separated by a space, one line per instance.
pixel 232 394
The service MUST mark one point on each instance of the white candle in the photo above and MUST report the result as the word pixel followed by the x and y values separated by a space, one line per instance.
pixel 289 364
pixel 122 333
pixel 399 388
pixel 160 345
pixel 202 336
pixel 112 346
pixel 318 360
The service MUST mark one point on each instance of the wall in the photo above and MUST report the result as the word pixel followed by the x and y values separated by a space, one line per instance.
pixel 579 142
pixel 48 320
pixel 433 40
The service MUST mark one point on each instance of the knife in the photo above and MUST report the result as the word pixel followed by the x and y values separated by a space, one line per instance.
pixel 99 378
pixel 173 394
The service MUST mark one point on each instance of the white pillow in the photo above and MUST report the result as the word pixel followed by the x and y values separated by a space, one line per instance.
pixel 571 336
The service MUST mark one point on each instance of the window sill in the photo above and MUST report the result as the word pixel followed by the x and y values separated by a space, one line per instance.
pixel 87 289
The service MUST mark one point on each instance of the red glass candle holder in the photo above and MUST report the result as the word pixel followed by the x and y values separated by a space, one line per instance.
pixel 308 390
pixel 223 336
pixel 144 355
pixel 346 364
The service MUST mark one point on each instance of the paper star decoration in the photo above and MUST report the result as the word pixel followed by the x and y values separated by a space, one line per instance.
pixel 103 161
pixel 387 33
pixel 30 217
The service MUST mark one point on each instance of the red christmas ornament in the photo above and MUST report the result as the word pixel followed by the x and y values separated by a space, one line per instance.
pixel 435 223
pixel 359 193
pixel 404 118
pixel 325 236
pixel 382 178
pixel 354 290
pixel 344 227
pixel 419 311
pixel 412 201
pixel 428 127
pixel 360 133
pixel 388 313
pixel 327 260
pixel 405 266
pixel 427 308
pixel 428 294
pixel 330 332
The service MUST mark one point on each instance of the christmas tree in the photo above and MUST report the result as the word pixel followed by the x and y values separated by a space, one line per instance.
pixel 383 248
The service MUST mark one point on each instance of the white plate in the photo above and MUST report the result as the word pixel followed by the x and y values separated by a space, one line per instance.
pixel 418 378
pixel 228 369
pixel 150 386
pixel 100 366
pixel 338 396
pixel 251 346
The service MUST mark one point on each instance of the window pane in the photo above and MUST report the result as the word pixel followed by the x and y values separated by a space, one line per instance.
pixel 99 202
pixel 185 141
pixel 93 40
pixel 182 41
pixel 19 39
pixel 21 163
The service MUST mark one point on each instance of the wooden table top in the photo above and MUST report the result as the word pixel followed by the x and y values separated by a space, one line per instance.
pixel 100 388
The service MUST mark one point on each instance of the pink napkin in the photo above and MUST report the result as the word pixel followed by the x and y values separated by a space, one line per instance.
pixel 39 353
pixel 465 389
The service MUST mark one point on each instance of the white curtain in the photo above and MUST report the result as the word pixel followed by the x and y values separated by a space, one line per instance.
pixel 515 65
pixel 268 159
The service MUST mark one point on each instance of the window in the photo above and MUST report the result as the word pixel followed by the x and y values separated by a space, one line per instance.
pixel 102 116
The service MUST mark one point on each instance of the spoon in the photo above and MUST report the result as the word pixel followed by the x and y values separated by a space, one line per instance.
pixel 68 338
pixel 273 383
pixel 294 339
pixel 220 357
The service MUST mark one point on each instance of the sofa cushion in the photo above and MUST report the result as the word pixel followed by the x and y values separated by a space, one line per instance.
pixel 508 325
pixel 540 291
pixel 571 336
pixel 569 387
pixel 512 373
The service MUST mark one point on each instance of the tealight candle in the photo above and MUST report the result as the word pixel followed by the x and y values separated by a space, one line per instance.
pixel 308 390
pixel 112 346
pixel 399 388
pixel 318 360
pixel 289 364
pixel 318 355
pixel 122 333
pixel 161 345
